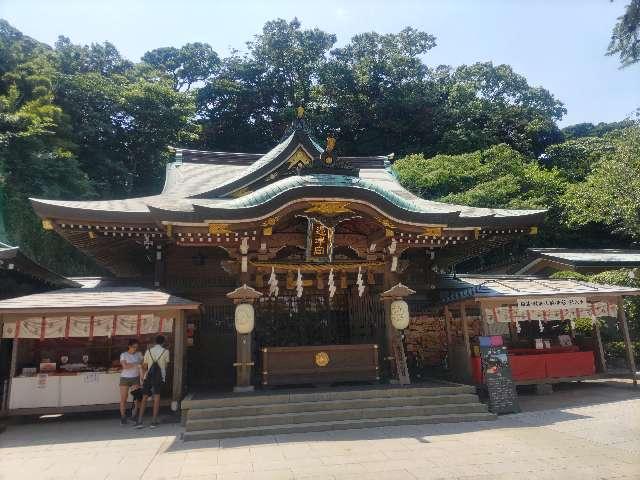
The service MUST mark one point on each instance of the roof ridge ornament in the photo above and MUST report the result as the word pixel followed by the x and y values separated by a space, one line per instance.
pixel 329 163
pixel 298 123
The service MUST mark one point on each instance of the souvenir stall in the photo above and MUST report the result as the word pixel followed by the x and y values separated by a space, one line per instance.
pixel 536 318
pixel 67 344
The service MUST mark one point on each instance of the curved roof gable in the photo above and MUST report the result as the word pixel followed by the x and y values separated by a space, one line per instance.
pixel 266 165
pixel 394 202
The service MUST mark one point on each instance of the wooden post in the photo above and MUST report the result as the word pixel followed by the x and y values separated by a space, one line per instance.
pixel 179 340
pixel 622 318
pixel 483 320
pixel 12 374
pixel 244 297
pixel 467 344
pixel 601 357
pixel 447 328
pixel 243 363
pixel 158 275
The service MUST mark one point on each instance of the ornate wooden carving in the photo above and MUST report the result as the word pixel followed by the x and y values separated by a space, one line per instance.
pixel 330 209
pixel 219 229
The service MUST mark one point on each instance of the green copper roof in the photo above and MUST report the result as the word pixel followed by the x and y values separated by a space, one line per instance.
pixel 315 180
pixel 351 185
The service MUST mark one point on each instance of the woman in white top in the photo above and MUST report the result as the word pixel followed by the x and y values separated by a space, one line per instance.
pixel 129 376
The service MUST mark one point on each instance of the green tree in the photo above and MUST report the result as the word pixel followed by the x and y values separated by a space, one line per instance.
pixel 610 193
pixel 249 104
pixel 187 65
pixel 35 157
pixel 497 177
pixel 590 130
pixel 122 121
pixel 625 38
pixel 487 104
pixel 375 89
pixel 575 158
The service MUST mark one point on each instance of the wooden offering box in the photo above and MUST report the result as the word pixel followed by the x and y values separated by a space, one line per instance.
pixel 319 364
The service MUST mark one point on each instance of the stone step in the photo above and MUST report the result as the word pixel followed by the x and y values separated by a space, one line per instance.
pixel 328 415
pixel 262 398
pixel 335 425
pixel 317 406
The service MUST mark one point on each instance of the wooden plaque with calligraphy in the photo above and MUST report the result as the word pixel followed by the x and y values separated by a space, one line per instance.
pixel 319 242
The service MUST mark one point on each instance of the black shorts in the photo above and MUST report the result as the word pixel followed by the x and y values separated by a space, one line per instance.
pixel 151 387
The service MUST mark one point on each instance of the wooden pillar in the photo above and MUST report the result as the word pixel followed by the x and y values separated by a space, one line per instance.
pixel 158 274
pixel 447 328
pixel 243 363
pixel 601 357
pixel 244 297
pixel 483 321
pixel 467 343
pixel 179 341
pixel 622 318
pixel 4 407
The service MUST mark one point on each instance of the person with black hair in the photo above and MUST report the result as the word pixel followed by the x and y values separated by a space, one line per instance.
pixel 154 368
pixel 131 360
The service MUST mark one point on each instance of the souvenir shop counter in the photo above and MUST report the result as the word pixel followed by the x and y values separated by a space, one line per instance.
pixel 65 389
pixel 528 364
pixel 56 368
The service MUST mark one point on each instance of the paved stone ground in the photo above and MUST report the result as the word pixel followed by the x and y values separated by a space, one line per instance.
pixel 584 431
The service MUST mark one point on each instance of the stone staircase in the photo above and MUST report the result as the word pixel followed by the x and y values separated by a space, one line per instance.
pixel 270 413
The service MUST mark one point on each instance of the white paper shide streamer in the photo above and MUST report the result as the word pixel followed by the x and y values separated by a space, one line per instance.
pixel 331 284
pixel 360 282
pixel 273 283
pixel 299 286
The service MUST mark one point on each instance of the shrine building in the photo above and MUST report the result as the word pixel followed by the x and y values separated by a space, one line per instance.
pixel 300 266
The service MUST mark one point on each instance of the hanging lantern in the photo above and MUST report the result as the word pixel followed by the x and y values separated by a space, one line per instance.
pixel 244 318
pixel 400 314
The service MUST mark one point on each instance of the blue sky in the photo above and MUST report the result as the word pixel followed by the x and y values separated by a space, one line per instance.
pixel 557 44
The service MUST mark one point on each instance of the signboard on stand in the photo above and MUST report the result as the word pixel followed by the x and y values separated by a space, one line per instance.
pixel 503 397
pixel 400 360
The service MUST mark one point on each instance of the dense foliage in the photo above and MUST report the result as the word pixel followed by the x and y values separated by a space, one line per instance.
pixel 82 122
pixel 625 38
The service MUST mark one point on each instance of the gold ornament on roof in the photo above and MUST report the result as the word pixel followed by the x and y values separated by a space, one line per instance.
pixel 268 224
pixel 331 143
pixel 432 232
pixel 219 229
pixel 299 158
pixel 329 208
pixel 386 223
pixel 271 221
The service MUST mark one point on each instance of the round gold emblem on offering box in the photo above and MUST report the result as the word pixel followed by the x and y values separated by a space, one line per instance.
pixel 322 359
